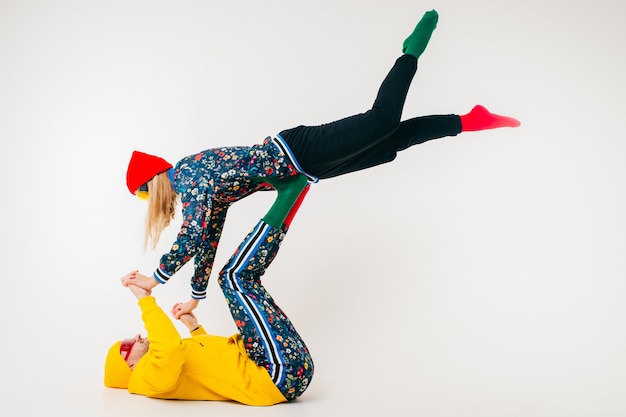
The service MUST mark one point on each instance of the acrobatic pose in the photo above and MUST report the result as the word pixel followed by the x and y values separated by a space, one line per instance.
pixel 265 363
pixel 210 181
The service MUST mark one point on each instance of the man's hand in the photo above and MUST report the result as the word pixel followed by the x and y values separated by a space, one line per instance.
pixel 184 308
pixel 188 319
pixel 138 291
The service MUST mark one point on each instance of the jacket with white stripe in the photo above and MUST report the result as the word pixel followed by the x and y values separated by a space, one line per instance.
pixel 208 183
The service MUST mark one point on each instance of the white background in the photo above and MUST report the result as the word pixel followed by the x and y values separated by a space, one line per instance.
pixel 481 275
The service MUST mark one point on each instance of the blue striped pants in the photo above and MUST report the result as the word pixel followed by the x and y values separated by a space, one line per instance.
pixel 270 339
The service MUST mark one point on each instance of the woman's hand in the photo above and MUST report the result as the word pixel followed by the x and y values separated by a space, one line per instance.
pixel 139 280
pixel 184 308
pixel 188 319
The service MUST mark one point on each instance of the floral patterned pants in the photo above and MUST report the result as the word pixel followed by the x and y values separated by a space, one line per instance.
pixel 270 338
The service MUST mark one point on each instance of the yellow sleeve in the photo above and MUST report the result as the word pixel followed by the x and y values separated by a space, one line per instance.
pixel 159 370
pixel 198 331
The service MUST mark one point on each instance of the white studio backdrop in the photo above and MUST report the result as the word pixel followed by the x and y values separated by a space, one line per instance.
pixel 481 275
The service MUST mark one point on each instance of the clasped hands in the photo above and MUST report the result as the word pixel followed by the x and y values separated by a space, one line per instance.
pixel 141 286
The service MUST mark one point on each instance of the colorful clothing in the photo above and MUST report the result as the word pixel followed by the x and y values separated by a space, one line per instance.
pixel 201 367
pixel 209 182
pixel 269 337
pixel 266 363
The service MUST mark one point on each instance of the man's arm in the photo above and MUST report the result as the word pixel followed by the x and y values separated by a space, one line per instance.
pixel 190 321
pixel 159 369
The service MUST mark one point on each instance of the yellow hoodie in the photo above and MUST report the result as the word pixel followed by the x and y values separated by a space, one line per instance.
pixel 202 367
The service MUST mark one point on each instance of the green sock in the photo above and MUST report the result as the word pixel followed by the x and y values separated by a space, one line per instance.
pixel 289 189
pixel 416 43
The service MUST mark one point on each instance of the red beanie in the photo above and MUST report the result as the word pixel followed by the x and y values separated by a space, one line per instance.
pixel 142 168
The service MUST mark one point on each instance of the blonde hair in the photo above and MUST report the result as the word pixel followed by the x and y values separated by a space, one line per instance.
pixel 162 199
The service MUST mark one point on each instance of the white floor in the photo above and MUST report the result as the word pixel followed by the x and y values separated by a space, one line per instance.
pixel 476 276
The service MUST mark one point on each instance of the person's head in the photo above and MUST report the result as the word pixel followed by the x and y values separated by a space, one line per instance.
pixel 121 360
pixel 151 178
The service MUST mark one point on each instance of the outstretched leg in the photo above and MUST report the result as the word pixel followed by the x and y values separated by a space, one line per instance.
pixel 269 336
pixel 419 130
pixel 317 148
pixel 410 132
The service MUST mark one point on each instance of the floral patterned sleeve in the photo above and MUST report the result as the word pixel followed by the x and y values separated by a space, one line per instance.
pixel 196 203
pixel 206 253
